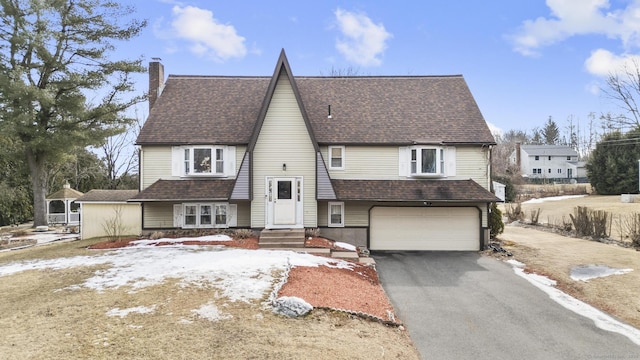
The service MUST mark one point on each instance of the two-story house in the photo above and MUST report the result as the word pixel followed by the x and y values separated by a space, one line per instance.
pixel 387 162
pixel 547 162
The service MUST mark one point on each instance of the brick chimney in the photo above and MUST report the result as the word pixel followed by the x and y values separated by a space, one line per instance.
pixel 156 80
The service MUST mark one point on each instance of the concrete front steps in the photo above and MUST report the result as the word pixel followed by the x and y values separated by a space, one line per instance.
pixel 281 238
pixel 294 240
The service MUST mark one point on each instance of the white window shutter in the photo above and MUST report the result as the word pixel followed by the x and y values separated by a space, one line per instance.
pixel 450 161
pixel 177 160
pixel 177 215
pixel 230 161
pixel 403 161
pixel 232 219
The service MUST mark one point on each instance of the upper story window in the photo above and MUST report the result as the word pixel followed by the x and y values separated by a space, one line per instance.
pixel 549 158
pixel 336 157
pixel 537 157
pixel 568 157
pixel 427 161
pixel 203 160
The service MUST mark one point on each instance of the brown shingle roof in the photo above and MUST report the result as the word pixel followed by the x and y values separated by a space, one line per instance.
pixel 408 109
pixel 412 190
pixel 205 110
pixel 107 195
pixel 186 190
pixel 383 110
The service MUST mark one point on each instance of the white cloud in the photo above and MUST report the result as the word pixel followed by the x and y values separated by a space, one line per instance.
pixel 363 42
pixel 496 131
pixel 206 36
pixel 579 17
pixel 603 62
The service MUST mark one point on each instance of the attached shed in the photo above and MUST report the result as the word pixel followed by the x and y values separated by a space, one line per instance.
pixel 106 213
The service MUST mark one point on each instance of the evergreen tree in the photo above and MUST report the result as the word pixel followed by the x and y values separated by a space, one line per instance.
pixel 613 165
pixel 550 132
pixel 53 55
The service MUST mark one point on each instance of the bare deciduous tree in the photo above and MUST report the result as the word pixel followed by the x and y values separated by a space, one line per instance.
pixel 624 88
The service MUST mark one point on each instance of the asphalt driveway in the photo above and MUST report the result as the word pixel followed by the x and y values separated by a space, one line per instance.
pixel 461 305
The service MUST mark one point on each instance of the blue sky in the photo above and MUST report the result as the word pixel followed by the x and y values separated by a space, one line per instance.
pixel 523 60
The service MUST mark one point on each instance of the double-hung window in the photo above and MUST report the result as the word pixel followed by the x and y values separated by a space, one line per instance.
pixel 427 161
pixel 206 160
pixel 336 214
pixel 336 157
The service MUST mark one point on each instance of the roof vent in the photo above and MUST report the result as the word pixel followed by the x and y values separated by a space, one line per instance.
pixel 329 116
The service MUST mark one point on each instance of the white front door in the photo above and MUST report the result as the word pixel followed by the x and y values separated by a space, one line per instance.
pixel 284 202
pixel 284 207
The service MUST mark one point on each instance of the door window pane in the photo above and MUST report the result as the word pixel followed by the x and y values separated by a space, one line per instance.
pixel 284 190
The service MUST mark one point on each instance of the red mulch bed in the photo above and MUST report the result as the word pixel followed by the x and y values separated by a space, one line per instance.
pixel 323 286
pixel 249 243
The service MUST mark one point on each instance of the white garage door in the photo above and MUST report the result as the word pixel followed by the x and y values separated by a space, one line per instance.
pixel 437 228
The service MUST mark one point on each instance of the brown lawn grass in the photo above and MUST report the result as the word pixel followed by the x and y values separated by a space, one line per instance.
pixel 41 318
pixel 553 255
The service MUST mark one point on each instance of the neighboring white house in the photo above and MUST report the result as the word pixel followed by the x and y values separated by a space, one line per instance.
pixel 500 190
pixel 548 162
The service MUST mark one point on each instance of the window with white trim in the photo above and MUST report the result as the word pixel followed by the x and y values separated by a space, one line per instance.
pixel 336 157
pixel 427 161
pixel 205 215
pixel 336 214
pixel 203 160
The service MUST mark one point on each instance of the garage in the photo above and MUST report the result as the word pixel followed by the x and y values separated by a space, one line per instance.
pixel 425 228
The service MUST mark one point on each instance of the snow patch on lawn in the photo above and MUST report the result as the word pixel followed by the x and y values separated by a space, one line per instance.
pixel 138 310
pixel 148 242
pixel 240 275
pixel 552 198
pixel 345 246
pixel 211 313
pixel 600 319
pixel 588 272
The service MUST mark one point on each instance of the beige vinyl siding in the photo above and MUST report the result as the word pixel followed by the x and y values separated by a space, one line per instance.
pixel 366 162
pixel 95 216
pixel 240 150
pixel 283 139
pixel 244 214
pixel 156 162
pixel 357 213
pixel 381 163
pixel 158 215
pixel 472 163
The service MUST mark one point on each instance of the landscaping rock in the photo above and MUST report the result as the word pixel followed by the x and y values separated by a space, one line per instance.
pixel 291 306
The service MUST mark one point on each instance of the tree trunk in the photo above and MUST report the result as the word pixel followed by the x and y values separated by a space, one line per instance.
pixel 39 186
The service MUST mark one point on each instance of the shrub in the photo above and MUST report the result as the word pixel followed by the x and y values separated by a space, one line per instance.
pixel 242 233
pixel 514 212
pixel 591 223
pixel 311 232
pixel 535 216
pixel 156 235
pixel 496 224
